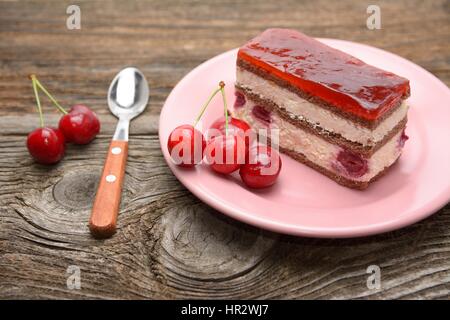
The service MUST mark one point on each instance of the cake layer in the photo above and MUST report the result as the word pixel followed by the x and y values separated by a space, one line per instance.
pixel 343 166
pixel 339 81
pixel 298 109
pixel 269 109
pixel 360 185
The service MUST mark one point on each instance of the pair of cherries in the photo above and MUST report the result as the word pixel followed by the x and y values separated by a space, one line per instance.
pixel 80 125
pixel 229 148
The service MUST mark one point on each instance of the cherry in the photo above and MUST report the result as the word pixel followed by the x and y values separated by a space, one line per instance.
pixel 84 109
pixel 403 139
pixel 352 164
pixel 46 145
pixel 225 153
pixel 186 146
pixel 80 125
pixel 262 114
pixel 262 168
pixel 235 126
pixel 240 99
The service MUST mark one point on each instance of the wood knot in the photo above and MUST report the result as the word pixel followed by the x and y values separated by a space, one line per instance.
pixel 76 190
pixel 201 245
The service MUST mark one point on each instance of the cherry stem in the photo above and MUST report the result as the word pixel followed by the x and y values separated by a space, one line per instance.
pixel 49 95
pixel 38 101
pixel 225 107
pixel 205 106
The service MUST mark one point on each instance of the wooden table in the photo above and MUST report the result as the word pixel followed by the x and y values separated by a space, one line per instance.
pixel 169 244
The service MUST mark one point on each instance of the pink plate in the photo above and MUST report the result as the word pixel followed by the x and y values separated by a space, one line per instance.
pixel 305 203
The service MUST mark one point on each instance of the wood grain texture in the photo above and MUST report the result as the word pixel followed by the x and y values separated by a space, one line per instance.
pixel 169 244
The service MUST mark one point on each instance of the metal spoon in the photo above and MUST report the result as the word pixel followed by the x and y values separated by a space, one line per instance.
pixel 127 98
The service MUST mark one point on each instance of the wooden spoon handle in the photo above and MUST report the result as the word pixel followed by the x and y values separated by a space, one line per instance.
pixel 107 201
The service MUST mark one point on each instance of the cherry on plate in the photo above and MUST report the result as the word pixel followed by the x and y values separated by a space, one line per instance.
pixel 186 146
pixel 226 153
pixel 262 168
pixel 235 126
pixel 46 145
pixel 80 125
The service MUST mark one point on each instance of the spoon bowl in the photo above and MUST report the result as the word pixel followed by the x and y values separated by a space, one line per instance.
pixel 128 93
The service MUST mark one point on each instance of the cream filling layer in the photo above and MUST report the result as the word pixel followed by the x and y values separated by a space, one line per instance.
pixel 315 115
pixel 317 150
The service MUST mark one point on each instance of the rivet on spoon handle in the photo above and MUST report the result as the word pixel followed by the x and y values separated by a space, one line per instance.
pixel 107 201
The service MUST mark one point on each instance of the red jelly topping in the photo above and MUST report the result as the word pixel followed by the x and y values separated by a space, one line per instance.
pixel 262 114
pixel 338 78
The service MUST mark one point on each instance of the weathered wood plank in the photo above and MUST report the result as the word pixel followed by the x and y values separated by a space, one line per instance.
pixel 167 40
pixel 169 244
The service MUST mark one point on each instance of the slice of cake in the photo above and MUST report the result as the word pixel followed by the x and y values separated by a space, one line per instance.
pixel 335 113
